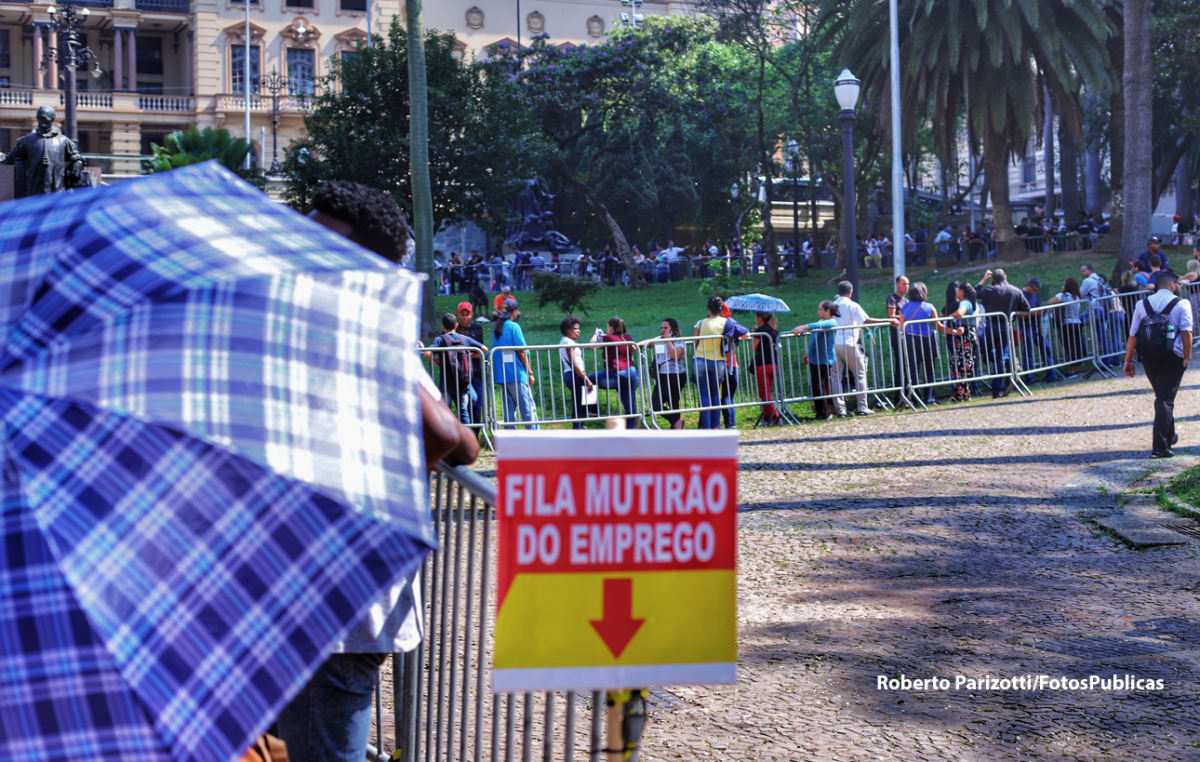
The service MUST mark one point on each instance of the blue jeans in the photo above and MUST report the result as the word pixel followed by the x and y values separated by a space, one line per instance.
pixel 330 720
pixel 995 347
pixel 729 387
pixel 625 382
pixel 709 374
pixel 1031 340
pixel 518 398
pixel 477 402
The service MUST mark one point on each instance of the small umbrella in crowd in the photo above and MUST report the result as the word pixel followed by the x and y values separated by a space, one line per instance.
pixel 212 462
pixel 757 303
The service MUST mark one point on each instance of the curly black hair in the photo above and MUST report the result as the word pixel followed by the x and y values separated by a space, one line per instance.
pixel 378 223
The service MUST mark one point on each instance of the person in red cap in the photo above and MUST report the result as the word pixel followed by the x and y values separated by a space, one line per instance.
pixel 468 327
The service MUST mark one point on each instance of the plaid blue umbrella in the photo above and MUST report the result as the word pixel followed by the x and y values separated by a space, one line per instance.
pixel 757 303
pixel 212 462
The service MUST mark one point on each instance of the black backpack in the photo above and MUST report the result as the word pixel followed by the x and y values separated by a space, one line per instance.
pixel 458 363
pixel 1155 339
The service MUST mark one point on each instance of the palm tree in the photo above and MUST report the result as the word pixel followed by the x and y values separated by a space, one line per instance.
pixel 193 146
pixel 418 136
pixel 982 58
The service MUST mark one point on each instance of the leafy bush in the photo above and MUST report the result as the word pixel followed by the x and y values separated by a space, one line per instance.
pixel 568 292
pixel 722 282
pixel 192 146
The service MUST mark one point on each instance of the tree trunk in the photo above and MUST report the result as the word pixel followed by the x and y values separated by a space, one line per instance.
pixel 995 159
pixel 1185 204
pixel 1091 172
pixel 1069 175
pixel 624 253
pixel 1139 168
pixel 1111 243
pixel 1048 145
pixel 418 138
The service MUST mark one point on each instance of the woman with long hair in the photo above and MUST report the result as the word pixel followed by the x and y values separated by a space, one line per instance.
pixel 917 319
pixel 766 357
pixel 670 359
pixel 620 368
pixel 820 356
pixel 962 345
pixel 1070 324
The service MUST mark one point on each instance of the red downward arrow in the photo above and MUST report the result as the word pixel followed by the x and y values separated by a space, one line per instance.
pixel 618 626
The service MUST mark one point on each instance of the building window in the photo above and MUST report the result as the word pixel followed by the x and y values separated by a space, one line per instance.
pixel 238 68
pixel 150 88
pixel 242 2
pixel 149 55
pixel 1029 168
pixel 299 3
pixel 157 138
pixel 300 63
pixel 348 55
pixel 354 5
pixel 5 141
pixel 4 62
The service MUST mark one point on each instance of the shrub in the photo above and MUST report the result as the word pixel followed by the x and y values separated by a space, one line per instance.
pixel 568 292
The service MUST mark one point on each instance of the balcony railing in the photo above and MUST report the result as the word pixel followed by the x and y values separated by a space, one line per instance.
pixel 164 103
pixel 165 6
pixel 16 98
pixel 287 103
pixel 89 100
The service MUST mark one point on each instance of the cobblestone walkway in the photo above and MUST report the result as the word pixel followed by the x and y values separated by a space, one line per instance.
pixel 943 544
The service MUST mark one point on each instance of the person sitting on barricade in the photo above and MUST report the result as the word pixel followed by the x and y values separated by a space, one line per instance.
pixel 620 369
pixel 849 350
pixel 670 374
pixel 574 372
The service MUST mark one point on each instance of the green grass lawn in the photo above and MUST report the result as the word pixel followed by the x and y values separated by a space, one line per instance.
pixel 643 311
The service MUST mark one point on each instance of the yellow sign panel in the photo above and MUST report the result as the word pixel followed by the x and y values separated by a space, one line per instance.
pixel 617 569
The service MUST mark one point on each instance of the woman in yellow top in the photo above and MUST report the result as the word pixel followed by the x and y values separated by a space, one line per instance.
pixel 709 365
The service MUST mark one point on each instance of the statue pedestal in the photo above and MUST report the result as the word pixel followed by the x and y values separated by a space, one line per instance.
pixel 7 182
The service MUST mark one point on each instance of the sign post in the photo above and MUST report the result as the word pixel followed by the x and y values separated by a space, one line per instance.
pixel 616 560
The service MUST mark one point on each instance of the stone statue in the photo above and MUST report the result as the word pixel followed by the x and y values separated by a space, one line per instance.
pixel 47 161
pixel 536 229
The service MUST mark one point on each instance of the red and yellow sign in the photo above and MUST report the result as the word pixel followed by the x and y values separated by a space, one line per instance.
pixel 617 559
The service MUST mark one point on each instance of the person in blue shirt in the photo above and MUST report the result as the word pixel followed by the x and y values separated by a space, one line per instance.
pixel 821 356
pixel 1152 247
pixel 510 368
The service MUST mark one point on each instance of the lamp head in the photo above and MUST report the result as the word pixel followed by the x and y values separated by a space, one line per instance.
pixel 735 191
pixel 51 10
pixel 85 12
pixel 847 87
pixel 96 72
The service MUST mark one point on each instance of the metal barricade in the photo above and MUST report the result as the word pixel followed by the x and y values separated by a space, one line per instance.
pixel 1054 337
pixel 442 705
pixel 475 413
pixel 560 396
pixel 1111 316
pixel 1191 292
pixel 984 352
pixel 671 395
pixel 872 346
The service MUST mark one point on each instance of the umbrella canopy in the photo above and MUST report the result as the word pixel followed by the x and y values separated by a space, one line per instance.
pixel 757 303
pixel 212 462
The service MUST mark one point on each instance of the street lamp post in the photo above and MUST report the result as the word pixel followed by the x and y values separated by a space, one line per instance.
pixel 793 149
pixel 71 53
pixel 274 84
pixel 846 88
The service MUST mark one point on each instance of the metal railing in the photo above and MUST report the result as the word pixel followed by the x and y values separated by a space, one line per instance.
pixel 165 6
pixel 442 706
pixel 1056 337
pixel 473 403
pixel 958 355
pixel 866 367
pixel 173 103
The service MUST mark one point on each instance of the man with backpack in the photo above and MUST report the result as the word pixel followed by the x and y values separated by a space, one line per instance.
pixel 456 366
pixel 1094 288
pixel 1161 332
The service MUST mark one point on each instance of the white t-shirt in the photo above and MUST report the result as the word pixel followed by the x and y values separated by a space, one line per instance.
pixel 852 314
pixel 673 253
pixel 570 356
pixel 714 251
pixel 1071 311
pixel 1181 316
